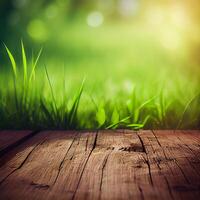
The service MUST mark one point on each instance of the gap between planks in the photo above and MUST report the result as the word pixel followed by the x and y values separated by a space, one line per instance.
pixel 12 139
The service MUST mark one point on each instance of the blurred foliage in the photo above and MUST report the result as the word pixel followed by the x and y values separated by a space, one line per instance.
pixel 41 21
pixel 121 37
pixel 119 45
pixel 79 29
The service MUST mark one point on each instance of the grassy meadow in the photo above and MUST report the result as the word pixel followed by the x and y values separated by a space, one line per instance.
pixel 118 74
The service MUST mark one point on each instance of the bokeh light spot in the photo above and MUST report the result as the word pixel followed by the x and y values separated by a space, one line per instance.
pixel 19 3
pixel 128 7
pixel 51 11
pixel 179 17
pixel 171 40
pixel 37 30
pixel 95 19
pixel 156 16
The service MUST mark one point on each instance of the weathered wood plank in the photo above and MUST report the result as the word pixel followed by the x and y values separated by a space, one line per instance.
pixel 15 159
pixel 167 152
pixel 156 162
pixel 10 138
pixel 36 166
pixel 117 169
pixel 190 140
pixel 118 164
pixel 73 166
pixel 185 149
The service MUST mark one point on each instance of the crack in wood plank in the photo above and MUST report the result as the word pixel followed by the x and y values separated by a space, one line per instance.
pixel 103 167
pixel 142 143
pixel 169 140
pixel 155 156
pixel 141 192
pixel 146 158
pixel 23 162
pixel 62 161
pixel 169 188
pixel 149 168
pixel 156 138
pixel 197 160
pixel 166 157
pixel 81 174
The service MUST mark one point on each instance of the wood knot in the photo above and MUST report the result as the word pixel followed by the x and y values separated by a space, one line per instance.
pixel 132 148
pixel 40 186
pixel 110 148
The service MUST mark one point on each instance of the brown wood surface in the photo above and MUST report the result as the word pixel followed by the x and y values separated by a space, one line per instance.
pixel 121 164
pixel 10 138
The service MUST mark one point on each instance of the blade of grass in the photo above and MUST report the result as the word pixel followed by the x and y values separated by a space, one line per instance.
pixel 101 117
pixel 51 88
pixel 121 121
pixel 24 60
pixel 146 119
pixel 135 126
pixel 73 110
pixel 147 102
pixel 12 60
pixel 46 112
pixel 186 108
pixel 14 67
pixel 32 74
pixel 26 85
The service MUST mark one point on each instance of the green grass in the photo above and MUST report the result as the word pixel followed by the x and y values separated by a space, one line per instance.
pixel 37 99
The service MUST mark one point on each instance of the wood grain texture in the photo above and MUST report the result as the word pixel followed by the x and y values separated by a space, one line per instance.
pixel 37 166
pixel 119 164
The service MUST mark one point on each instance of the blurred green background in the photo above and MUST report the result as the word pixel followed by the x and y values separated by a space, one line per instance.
pixel 118 45
pixel 108 35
